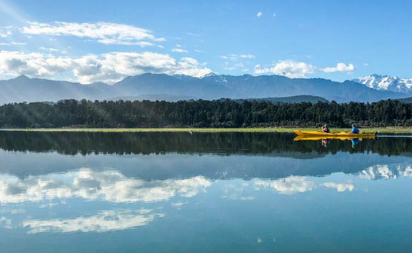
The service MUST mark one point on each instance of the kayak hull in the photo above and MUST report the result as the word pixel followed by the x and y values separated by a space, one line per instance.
pixel 321 135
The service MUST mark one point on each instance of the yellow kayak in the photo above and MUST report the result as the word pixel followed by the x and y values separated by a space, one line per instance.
pixel 322 135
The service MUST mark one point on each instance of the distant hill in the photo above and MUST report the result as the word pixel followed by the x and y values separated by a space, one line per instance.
pixel 25 89
pixel 292 99
pixel 175 87
pixel 405 100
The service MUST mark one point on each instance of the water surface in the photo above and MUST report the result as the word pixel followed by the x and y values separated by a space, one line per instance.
pixel 214 192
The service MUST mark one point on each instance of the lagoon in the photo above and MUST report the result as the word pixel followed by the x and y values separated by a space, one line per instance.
pixel 204 192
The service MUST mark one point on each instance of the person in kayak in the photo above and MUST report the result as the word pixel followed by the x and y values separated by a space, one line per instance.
pixel 325 128
pixel 355 129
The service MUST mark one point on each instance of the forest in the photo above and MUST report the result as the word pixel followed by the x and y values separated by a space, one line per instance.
pixel 202 113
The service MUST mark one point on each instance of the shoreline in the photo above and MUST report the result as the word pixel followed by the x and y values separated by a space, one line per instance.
pixel 383 130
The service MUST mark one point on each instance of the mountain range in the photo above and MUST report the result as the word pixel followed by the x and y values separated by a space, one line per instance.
pixel 387 83
pixel 177 87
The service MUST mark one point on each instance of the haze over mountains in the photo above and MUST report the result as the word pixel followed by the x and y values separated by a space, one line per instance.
pixel 177 87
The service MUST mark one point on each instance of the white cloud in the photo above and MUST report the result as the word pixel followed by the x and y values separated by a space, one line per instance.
pixel 34 64
pixel 237 57
pixel 194 34
pixel 110 186
pixel 102 222
pixel 288 68
pixel 236 61
pixel 179 50
pixel 248 56
pixel 274 15
pixel 259 14
pixel 12 43
pixel 108 67
pixel 340 67
pixel 102 32
pixel 49 49
pixel 5 33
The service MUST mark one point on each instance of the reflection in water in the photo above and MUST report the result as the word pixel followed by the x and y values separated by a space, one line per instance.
pixel 293 185
pixel 102 222
pixel 85 183
pixel 112 186
pixel 392 171
pixel 91 192
pixel 203 143
pixel 355 142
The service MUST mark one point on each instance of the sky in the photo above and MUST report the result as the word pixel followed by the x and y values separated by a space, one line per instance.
pixel 105 41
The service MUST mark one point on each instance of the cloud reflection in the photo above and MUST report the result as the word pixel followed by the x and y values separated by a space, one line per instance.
pixel 102 222
pixel 340 187
pixel 85 183
pixel 289 185
pixel 297 184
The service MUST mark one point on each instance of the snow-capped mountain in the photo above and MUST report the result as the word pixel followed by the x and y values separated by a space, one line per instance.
pixel 390 83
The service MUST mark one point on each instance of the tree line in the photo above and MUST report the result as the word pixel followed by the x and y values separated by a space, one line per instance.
pixel 202 113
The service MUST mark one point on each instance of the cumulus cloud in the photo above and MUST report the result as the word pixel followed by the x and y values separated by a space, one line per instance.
pixel 340 67
pixel 108 67
pixel 110 186
pixel 179 50
pixel 102 222
pixel 34 64
pixel 289 68
pixel 259 14
pixel 102 32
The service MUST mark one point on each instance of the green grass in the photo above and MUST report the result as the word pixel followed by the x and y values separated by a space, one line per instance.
pixel 385 130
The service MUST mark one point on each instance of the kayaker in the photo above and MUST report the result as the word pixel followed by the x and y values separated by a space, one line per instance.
pixel 325 128
pixel 355 129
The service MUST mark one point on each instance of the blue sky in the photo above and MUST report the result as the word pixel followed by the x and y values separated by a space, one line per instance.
pixel 91 41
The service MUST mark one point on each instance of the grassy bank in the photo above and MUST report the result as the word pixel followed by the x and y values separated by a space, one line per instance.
pixel 386 130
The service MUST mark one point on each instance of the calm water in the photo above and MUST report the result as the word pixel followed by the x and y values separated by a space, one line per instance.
pixel 176 192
